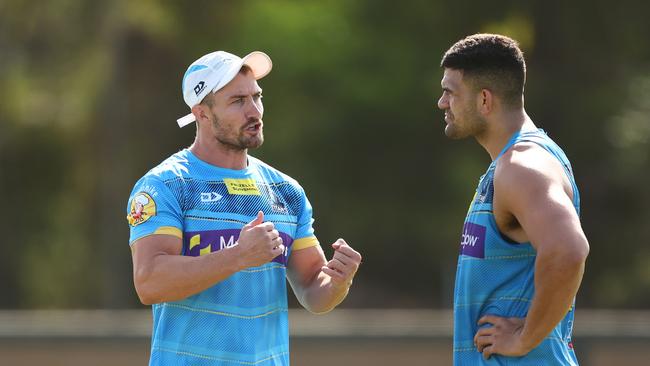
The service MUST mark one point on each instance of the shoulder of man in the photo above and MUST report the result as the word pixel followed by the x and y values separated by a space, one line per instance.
pixel 163 179
pixel 175 166
pixel 527 169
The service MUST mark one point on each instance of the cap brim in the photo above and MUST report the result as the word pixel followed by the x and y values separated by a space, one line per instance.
pixel 259 62
pixel 185 120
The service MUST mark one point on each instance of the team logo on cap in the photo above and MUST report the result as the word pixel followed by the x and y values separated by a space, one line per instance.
pixel 199 87
pixel 142 208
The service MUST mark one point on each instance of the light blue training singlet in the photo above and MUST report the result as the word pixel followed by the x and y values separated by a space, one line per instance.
pixel 495 276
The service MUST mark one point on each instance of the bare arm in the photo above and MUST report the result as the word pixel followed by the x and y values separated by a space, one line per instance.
pixel 161 274
pixel 532 186
pixel 319 285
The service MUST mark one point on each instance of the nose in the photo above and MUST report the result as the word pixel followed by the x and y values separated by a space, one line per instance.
pixel 255 109
pixel 443 103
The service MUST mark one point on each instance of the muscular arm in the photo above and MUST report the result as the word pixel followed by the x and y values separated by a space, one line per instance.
pixel 319 285
pixel 161 274
pixel 532 186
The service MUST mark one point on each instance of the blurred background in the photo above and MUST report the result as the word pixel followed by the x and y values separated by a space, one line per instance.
pixel 89 95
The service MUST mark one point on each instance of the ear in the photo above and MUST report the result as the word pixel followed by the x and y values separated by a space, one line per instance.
pixel 200 112
pixel 485 102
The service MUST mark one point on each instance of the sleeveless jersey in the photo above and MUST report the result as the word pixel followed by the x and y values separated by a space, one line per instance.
pixel 496 275
pixel 243 319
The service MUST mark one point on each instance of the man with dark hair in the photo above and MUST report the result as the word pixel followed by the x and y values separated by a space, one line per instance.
pixel 490 60
pixel 215 232
pixel 522 249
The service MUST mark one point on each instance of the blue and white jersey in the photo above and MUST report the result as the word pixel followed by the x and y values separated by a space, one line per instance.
pixel 243 319
pixel 496 275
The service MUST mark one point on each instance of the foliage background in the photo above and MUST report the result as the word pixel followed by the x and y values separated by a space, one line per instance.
pixel 89 94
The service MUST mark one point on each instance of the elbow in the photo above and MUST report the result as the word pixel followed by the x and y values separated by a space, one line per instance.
pixel 315 307
pixel 143 287
pixel 585 252
pixel 145 295
pixel 318 310
pixel 146 298
pixel 578 253
pixel 566 255
pixel 321 306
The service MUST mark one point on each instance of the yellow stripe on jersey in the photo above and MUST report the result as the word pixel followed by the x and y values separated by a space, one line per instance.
pixel 304 243
pixel 169 230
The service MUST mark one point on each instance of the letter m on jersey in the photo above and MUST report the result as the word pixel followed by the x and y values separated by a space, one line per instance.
pixel 198 243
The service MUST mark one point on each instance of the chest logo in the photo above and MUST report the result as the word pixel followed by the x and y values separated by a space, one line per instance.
pixel 472 241
pixel 245 187
pixel 208 197
pixel 198 243
pixel 276 203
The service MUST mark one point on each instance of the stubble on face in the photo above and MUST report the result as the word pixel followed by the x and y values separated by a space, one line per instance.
pixel 467 123
pixel 235 138
pixel 461 113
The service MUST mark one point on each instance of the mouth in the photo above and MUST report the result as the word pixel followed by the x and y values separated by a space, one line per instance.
pixel 253 127
pixel 448 117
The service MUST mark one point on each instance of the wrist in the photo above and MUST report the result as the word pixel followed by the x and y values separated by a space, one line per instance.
pixel 236 259
pixel 528 341
pixel 342 284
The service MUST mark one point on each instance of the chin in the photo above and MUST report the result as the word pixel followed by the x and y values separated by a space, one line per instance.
pixel 255 143
pixel 450 132
pixel 454 134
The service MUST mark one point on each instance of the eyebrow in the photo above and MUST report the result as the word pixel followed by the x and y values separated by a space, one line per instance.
pixel 237 96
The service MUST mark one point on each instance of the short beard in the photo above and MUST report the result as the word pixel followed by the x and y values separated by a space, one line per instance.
pixel 473 126
pixel 239 141
pixel 468 131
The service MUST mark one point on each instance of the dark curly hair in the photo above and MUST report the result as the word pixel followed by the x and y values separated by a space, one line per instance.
pixel 490 61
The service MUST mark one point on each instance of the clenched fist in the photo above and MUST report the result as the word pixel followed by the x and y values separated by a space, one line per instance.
pixel 258 243
pixel 344 263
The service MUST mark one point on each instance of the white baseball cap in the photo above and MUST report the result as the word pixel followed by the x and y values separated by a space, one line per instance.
pixel 213 71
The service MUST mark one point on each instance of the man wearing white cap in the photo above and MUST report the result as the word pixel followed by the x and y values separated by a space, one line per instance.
pixel 222 230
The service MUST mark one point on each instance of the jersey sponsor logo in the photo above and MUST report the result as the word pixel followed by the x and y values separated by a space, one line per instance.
pixel 208 197
pixel 246 187
pixel 143 207
pixel 472 240
pixel 198 243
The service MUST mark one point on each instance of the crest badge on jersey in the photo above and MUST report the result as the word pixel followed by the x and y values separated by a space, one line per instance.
pixel 143 207
pixel 274 200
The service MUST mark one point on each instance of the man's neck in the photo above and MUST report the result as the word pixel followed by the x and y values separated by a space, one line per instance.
pixel 220 155
pixel 501 128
